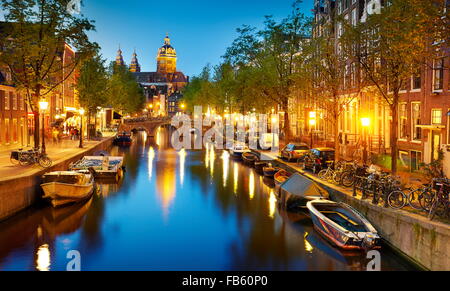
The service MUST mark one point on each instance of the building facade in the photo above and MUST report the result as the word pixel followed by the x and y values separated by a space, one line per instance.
pixel 424 109
pixel 163 87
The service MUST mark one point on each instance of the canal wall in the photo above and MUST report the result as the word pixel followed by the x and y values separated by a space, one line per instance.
pixel 425 242
pixel 20 192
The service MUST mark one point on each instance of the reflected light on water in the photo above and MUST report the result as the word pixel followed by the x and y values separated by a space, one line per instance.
pixel 308 247
pixel 226 164
pixel 235 178
pixel 272 204
pixel 182 154
pixel 251 185
pixel 43 258
pixel 158 136
pixel 212 159
pixel 151 158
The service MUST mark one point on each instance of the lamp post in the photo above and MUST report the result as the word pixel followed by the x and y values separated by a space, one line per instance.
pixel 365 122
pixel 81 111
pixel 43 105
pixel 312 123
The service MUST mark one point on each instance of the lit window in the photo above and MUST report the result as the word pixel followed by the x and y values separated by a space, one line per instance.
pixel 403 121
pixel 415 115
pixel 436 116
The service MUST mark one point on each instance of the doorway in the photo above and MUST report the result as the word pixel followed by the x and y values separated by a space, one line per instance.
pixel 435 145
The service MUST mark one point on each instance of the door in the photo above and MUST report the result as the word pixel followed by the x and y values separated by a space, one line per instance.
pixel 436 145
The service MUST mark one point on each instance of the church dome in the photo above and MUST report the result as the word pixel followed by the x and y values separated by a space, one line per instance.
pixel 167 50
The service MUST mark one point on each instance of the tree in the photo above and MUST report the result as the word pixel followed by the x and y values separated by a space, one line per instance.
pixel 92 85
pixel 391 45
pixel 271 52
pixel 124 93
pixel 33 40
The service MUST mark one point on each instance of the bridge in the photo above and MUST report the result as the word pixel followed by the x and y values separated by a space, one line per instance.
pixel 147 124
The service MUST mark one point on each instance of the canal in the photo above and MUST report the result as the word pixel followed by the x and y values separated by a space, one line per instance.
pixel 188 210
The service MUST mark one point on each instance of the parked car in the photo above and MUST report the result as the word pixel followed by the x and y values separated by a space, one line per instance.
pixel 318 159
pixel 294 151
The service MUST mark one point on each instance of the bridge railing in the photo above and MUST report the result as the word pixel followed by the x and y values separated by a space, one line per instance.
pixel 146 119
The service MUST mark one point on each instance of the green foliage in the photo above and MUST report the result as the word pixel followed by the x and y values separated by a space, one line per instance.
pixel 92 84
pixel 124 92
pixel 435 169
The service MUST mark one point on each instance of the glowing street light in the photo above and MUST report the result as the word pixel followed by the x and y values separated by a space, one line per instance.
pixel 365 122
pixel 43 105
pixel 312 123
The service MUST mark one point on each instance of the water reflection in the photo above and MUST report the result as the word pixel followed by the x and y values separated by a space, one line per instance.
pixel 154 220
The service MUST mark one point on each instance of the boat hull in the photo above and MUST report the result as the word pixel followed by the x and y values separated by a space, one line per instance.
pixel 339 236
pixel 270 172
pixel 61 194
pixel 250 159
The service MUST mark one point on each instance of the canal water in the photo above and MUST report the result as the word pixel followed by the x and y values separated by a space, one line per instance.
pixel 187 210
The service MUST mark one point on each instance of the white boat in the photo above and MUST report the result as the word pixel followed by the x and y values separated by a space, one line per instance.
pixel 104 166
pixel 67 187
pixel 238 149
pixel 343 226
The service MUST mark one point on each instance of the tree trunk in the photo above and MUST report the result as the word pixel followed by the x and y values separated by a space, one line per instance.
pixel 337 144
pixel 287 123
pixel 88 125
pixel 394 133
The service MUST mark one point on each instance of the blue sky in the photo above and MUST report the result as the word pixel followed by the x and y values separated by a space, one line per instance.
pixel 200 30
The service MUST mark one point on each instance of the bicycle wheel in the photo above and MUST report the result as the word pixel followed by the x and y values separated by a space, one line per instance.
pixel 397 200
pixel 426 200
pixel 25 160
pixel 14 161
pixel 348 179
pixel 45 162
pixel 323 175
pixel 337 177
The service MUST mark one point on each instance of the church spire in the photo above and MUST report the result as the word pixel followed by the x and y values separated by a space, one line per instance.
pixel 134 66
pixel 119 58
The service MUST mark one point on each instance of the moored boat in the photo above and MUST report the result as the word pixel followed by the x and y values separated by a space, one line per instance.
pixel 343 226
pixel 259 166
pixel 270 171
pixel 105 167
pixel 123 140
pixel 298 190
pixel 237 151
pixel 281 176
pixel 67 187
pixel 250 158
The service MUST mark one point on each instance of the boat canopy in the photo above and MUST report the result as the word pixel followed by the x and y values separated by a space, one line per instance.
pixel 302 186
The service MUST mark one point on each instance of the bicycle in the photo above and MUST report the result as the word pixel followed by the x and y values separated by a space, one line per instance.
pixel 33 157
pixel 329 174
pixel 400 199
pixel 440 205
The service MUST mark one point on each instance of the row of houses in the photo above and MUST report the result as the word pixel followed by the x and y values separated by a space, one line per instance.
pixel 424 109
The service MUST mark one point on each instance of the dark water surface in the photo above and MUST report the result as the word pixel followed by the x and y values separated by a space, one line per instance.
pixel 188 210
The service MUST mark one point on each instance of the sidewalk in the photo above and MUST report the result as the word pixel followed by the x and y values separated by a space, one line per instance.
pixel 57 152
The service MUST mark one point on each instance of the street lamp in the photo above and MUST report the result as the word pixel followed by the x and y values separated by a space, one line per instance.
pixel 81 111
pixel 365 122
pixel 312 123
pixel 44 106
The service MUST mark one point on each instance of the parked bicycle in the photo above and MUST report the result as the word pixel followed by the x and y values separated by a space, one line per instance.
pixel 440 205
pixel 419 199
pixel 31 157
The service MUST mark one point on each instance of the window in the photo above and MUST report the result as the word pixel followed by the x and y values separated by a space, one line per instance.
pixel 438 74
pixel 354 17
pixel 403 121
pixel 14 100
pixel 416 160
pixel 436 116
pixel 7 131
pixel 2 97
pixel 7 101
pixel 416 83
pixel 21 102
pixel 415 116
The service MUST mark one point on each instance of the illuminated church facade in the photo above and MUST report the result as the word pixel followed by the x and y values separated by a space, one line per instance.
pixel 163 87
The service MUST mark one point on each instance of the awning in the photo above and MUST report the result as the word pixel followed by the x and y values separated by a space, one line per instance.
pixel 431 126
pixel 117 115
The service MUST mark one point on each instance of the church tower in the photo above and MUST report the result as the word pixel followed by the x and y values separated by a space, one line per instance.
pixel 134 66
pixel 166 58
pixel 119 58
